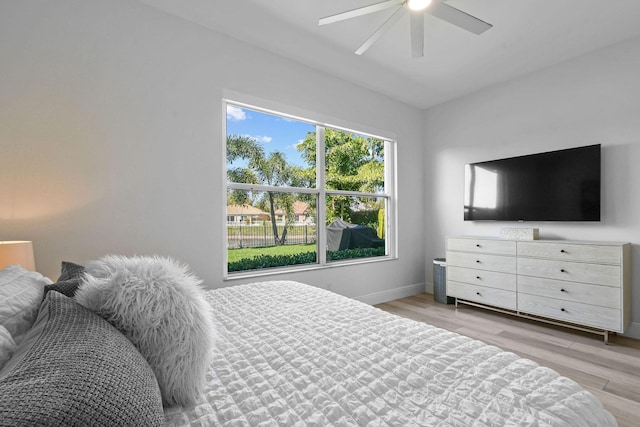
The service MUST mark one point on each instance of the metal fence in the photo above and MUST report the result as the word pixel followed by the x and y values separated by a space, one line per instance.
pixel 260 235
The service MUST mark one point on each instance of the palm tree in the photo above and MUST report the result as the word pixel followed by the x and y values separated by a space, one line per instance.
pixel 272 170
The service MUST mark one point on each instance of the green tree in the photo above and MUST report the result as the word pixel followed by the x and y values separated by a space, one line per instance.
pixel 352 163
pixel 272 170
pixel 381 224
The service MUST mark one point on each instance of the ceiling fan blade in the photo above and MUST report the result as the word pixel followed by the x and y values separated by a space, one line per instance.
pixel 417 33
pixel 458 18
pixel 376 35
pixel 359 11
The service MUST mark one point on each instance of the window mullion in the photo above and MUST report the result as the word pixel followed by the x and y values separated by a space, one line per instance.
pixel 354 193
pixel 260 187
pixel 391 190
pixel 321 211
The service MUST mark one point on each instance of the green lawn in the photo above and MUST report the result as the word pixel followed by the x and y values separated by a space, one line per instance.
pixel 244 253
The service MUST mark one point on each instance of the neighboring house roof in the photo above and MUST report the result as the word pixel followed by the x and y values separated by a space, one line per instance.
pixel 299 208
pixel 244 210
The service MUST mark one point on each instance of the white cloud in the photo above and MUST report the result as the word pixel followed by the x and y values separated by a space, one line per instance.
pixel 264 139
pixel 235 113
pixel 295 146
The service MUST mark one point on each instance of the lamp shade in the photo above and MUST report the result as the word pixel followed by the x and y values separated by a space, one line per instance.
pixel 17 252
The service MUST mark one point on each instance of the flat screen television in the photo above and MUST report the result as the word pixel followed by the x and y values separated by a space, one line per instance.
pixel 561 185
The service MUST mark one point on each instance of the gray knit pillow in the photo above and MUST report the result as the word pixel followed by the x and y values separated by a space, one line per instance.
pixel 69 280
pixel 75 369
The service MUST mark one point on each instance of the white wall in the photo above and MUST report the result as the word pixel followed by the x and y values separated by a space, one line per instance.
pixel 111 138
pixel 593 99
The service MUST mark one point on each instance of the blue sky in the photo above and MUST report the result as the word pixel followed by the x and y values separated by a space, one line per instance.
pixel 273 132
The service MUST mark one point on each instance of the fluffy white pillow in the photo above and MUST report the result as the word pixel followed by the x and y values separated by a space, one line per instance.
pixel 159 305
pixel 21 293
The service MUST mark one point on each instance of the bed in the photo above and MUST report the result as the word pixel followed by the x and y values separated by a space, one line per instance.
pixel 290 354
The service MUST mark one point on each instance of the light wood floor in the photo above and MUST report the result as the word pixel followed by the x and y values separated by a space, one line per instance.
pixel 611 372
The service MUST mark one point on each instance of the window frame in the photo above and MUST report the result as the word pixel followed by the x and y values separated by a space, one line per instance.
pixel 389 194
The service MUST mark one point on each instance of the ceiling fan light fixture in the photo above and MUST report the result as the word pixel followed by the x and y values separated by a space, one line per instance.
pixel 418 8
pixel 418 4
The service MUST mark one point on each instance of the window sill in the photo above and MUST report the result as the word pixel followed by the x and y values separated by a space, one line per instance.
pixel 302 268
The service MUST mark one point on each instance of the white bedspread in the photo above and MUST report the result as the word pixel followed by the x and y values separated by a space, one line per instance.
pixel 289 354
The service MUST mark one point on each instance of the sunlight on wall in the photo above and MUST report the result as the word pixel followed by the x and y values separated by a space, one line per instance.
pixel 31 200
pixel 51 153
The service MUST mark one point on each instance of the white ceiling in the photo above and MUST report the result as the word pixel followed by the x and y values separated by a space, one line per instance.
pixel 527 35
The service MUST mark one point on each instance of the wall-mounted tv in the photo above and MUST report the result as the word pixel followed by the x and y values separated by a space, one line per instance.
pixel 561 185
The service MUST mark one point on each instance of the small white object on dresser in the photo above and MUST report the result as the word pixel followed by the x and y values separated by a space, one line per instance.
pixel 584 285
pixel 520 233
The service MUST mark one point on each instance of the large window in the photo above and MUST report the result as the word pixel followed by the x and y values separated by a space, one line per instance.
pixel 303 194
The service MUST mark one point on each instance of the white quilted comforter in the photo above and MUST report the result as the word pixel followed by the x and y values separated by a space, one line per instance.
pixel 289 354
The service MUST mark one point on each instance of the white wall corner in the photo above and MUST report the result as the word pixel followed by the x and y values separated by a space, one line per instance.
pixel 428 288
pixel 392 294
pixel 633 331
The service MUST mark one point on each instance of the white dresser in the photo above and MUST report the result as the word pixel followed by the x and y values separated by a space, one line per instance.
pixel 585 285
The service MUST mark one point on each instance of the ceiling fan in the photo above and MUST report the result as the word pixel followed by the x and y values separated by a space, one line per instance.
pixel 417 10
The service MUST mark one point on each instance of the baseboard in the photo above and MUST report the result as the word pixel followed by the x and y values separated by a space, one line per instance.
pixel 633 331
pixel 392 294
pixel 428 288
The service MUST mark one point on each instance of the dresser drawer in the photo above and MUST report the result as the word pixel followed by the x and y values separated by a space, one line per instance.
pixel 478 261
pixel 490 246
pixel 596 274
pixel 490 279
pixel 604 296
pixel 573 312
pixel 601 254
pixel 482 294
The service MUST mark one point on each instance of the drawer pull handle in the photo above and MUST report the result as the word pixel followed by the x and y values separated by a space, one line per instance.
pixel 562 250
pixel 478 277
pixel 562 309
pixel 562 290
pixel 477 245
pixel 562 270
pixel 478 261
pixel 478 293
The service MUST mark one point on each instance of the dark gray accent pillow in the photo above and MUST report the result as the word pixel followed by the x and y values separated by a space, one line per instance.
pixel 75 369
pixel 70 270
pixel 69 280
pixel 65 287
